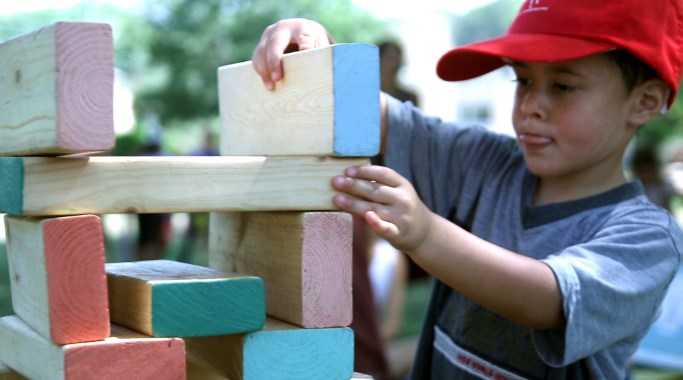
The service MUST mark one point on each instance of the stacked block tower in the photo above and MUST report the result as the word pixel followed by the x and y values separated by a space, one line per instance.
pixel 275 300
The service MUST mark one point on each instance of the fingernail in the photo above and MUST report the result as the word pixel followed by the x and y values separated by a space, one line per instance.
pixel 338 181
pixel 268 85
pixel 352 171
pixel 340 200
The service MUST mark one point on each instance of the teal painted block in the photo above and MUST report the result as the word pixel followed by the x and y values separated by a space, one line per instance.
pixel 165 298
pixel 207 308
pixel 356 97
pixel 300 354
pixel 11 185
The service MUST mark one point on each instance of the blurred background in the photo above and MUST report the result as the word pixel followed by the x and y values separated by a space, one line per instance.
pixel 166 103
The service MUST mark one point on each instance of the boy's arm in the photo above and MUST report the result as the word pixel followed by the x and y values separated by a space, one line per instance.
pixel 514 286
pixel 291 35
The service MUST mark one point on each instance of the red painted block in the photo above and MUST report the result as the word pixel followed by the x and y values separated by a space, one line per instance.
pixel 57 273
pixel 126 355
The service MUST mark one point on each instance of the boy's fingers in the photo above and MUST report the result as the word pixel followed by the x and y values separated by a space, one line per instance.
pixel 372 191
pixel 375 173
pixel 382 228
pixel 258 60
pixel 361 207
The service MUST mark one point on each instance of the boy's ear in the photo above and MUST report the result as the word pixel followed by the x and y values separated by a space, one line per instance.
pixel 650 97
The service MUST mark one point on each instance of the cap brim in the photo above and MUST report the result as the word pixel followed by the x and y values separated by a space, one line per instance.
pixel 477 59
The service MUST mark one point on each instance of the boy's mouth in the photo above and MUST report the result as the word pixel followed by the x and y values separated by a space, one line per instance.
pixel 534 142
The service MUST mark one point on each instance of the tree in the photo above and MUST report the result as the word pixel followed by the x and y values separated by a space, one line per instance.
pixel 489 21
pixel 174 53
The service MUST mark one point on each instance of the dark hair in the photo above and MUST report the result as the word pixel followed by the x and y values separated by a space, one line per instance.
pixel 633 70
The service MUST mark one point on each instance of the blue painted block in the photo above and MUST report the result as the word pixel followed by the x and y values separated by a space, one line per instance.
pixel 11 185
pixel 299 354
pixel 356 100
pixel 280 351
pixel 327 104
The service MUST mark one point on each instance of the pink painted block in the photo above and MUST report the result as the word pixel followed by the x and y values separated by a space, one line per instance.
pixel 326 270
pixel 76 279
pixel 58 278
pixel 126 359
pixel 126 355
pixel 85 82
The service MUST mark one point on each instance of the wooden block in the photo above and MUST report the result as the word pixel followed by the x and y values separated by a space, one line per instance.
pixel 197 372
pixel 326 105
pixel 304 259
pixel 165 298
pixel 8 374
pixel 112 185
pixel 360 376
pixel 57 95
pixel 57 276
pixel 125 355
pixel 279 351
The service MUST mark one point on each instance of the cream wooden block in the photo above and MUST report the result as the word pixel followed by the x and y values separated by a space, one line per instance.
pixel 124 355
pixel 326 105
pixel 279 351
pixel 7 374
pixel 304 259
pixel 57 90
pixel 57 276
pixel 112 185
pixel 197 372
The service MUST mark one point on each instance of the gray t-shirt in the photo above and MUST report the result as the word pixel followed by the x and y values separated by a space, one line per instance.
pixel 613 254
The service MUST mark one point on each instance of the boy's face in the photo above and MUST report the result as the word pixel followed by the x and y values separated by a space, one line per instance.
pixel 572 119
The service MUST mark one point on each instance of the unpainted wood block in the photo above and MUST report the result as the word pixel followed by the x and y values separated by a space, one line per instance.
pixel 304 258
pixel 124 355
pixel 7 374
pixel 57 95
pixel 57 276
pixel 279 351
pixel 326 105
pixel 197 372
pixel 45 186
pixel 164 298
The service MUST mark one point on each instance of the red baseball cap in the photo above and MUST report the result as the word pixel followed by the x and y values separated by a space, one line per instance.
pixel 560 30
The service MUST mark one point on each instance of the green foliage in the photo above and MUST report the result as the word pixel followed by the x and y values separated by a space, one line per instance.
pixel 173 54
pixel 489 21
pixel 664 128
pixel 17 24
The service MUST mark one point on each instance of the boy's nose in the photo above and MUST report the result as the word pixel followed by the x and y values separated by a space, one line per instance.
pixel 531 103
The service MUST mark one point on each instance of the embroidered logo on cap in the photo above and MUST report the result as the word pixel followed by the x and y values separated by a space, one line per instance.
pixel 534 6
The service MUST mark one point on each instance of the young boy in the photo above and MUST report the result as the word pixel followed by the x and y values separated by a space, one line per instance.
pixel 550 264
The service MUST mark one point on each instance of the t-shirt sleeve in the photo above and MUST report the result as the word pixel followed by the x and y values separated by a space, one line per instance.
pixel 612 286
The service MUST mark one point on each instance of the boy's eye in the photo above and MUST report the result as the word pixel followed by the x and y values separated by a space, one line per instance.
pixel 564 87
pixel 521 81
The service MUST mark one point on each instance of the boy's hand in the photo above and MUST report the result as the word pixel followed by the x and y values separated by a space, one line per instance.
pixel 285 36
pixel 387 201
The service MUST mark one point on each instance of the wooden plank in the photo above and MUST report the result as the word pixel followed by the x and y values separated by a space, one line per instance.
pixel 304 259
pixel 279 351
pixel 164 298
pixel 104 185
pixel 57 276
pixel 57 95
pixel 327 105
pixel 125 355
